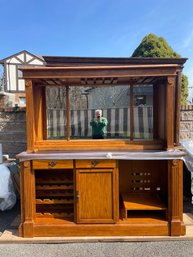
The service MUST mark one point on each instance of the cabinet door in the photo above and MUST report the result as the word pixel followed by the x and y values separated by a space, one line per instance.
pixel 97 196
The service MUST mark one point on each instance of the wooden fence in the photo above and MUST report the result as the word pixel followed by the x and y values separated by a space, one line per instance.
pixel 118 123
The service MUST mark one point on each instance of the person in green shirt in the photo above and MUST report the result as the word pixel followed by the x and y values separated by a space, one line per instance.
pixel 98 125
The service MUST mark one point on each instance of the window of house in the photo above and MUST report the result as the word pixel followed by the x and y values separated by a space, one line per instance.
pixel 126 114
pixel 22 101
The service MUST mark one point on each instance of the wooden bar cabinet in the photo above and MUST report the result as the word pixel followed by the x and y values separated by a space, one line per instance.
pixel 129 182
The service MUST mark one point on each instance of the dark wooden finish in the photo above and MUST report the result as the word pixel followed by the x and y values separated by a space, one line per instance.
pixel 76 61
pixel 155 111
pixel 170 112
pixel 100 71
pixel 177 108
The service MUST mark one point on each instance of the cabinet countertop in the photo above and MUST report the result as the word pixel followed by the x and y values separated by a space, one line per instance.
pixel 102 155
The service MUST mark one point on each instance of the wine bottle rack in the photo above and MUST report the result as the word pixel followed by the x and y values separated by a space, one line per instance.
pixel 54 194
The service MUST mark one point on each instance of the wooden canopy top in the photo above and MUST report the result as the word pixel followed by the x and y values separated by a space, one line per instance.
pixel 84 71
pixel 73 61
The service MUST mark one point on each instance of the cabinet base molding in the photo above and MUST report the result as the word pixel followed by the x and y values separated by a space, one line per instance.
pixel 62 230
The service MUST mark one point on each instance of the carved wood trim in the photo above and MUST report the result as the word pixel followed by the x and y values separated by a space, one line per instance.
pixel 177 108
pixel 28 199
pixel 170 111
pixel 175 184
pixel 30 124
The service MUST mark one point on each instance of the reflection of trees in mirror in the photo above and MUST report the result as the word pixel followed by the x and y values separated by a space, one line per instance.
pixel 78 98
pixel 108 97
pixel 56 97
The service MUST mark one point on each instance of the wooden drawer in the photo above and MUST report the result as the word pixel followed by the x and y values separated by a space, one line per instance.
pixel 96 164
pixel 52 164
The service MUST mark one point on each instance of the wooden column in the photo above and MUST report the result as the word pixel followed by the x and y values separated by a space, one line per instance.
pixel 131 113
pixel 170 112
pixel 27 181
pixel 30 125
pixel 67 113
pixel 39 112
pixel 44 113
pixel 156 113
pixel 177 108
pixel 175 203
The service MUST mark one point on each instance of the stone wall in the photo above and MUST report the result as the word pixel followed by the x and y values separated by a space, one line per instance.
pixel 186 122
pixel 13 128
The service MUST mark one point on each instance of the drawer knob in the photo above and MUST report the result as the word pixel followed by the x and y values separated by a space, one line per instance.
pixel 51 164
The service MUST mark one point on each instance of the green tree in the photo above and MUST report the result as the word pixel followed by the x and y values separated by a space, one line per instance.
pixel 153 46
pixel 184 90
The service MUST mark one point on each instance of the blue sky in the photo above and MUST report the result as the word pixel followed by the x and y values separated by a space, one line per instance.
pixel 95 27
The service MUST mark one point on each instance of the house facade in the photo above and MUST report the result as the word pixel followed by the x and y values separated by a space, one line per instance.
pixel 12 93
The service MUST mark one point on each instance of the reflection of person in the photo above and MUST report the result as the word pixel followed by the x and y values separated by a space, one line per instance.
pixel 98 125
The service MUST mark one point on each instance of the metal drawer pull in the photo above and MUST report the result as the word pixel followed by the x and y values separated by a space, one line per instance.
pixel 51 164
pixel 94 163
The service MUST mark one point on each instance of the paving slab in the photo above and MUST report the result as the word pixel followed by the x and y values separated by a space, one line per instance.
pixel 9 222
pixel 11 236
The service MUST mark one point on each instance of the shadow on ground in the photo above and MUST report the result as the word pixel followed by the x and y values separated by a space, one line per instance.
pixel 10 219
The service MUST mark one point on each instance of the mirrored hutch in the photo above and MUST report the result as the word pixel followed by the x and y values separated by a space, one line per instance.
pixel 128 183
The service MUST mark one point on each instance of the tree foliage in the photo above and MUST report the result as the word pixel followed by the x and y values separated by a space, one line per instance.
pixel 153 46
pixel 184 90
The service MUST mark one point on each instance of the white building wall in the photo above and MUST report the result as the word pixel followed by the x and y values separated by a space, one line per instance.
pixel 13 60
pixel 11 77
pixel 36 62
pixel 21 57
pixel 28 57
pixel 21 85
